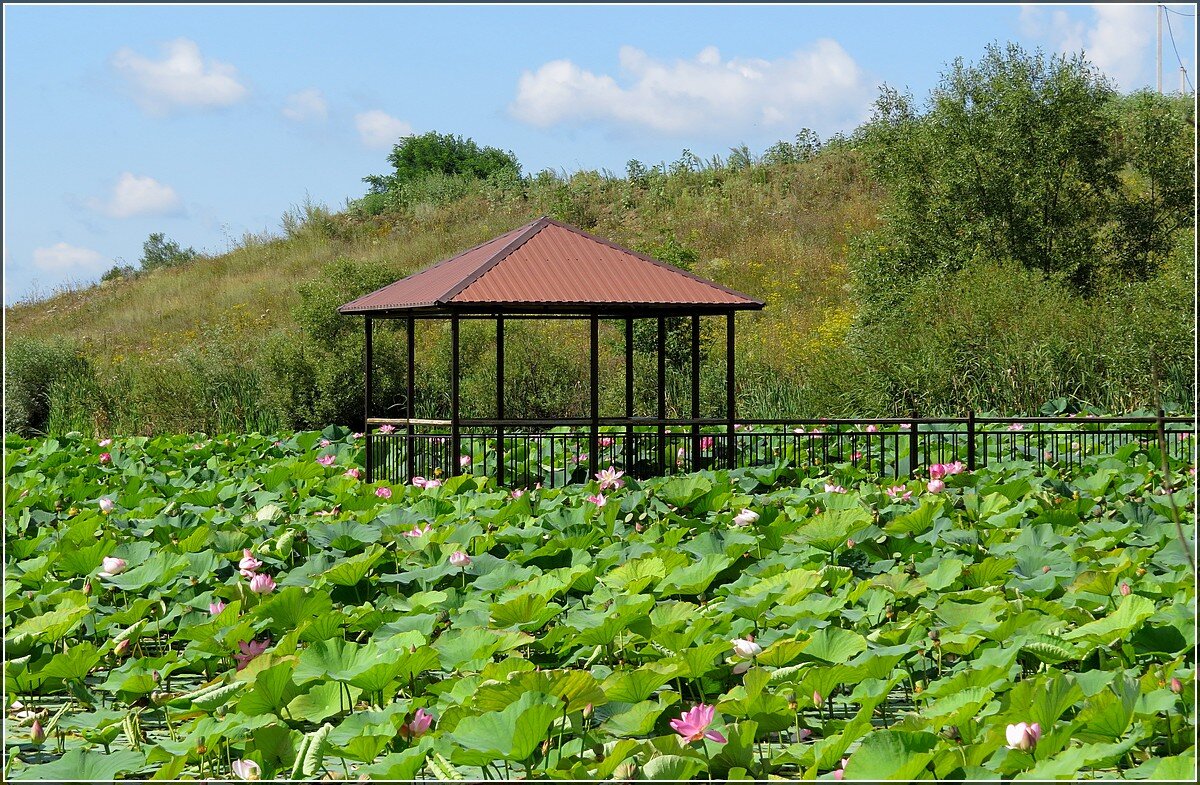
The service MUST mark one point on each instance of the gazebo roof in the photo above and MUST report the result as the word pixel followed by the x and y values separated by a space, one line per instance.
pixel 549 266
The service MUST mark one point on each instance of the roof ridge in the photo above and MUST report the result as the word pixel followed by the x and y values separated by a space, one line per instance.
pixel 530 230
pixel 651 260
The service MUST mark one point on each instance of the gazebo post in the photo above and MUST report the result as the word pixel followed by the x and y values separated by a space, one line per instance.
pixel 594 388
pixel 695 392
pixel 731 442
pixel 455 435
pixel 630 447
pixel 500 400
pixel 367 384
pixel 410 441
pixel 662 394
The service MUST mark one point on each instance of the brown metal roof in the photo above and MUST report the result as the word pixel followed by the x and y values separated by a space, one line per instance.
pixel 550 264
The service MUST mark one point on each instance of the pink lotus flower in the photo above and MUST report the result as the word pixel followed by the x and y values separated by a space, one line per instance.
pixel 906 426
pixel 107 505
pixel 597 499
pixel 693 725
pixel 419 481
pixel 352 473
pixel 248 565
pixel 706 442
pixel 745 517
pixel 518 493
pixel 432 484
pixel 935 486
pixel 326 460
pixel 215 608
pixel 1017 426
pixel 417 726
pixel 872 429
pixel 798 431
pixel 105 457
pixel 854 456
pixel 112 566
pixel 582 458
pixel 356 436
pixel 387 429
pixel 610 478
pixel 832 488
pixel 250 650
pixel 604 441
pixel 246 770
pixel 1023 737
pixel 460 559
pixel 383 492
pixel 277 443
pixel 325 442
pixel 464 461
pixel 262 584
pixel 841 771
pixel 899 493
pixel 417 531
pixel 958 467
pixel 937 471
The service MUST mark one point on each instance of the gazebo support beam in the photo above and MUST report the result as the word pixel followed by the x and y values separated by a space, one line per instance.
pixel 500 400
pixel 630 447
pixel 455 435
pixel 695 391
pixel 367 385
pixel 662 394
pixel 594 388
pixel 410 381
pixel 730 403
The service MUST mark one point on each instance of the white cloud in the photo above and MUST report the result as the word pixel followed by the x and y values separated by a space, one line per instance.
pixel 182 79
pixel 64 258
pixel 306 105
pixel 822 86
pixel 133 195
pixel 1117 40
pixel 379 129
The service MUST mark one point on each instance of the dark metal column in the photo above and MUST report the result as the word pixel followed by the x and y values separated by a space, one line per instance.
pixel 662 395
pixel 695 391
pixel 630 447
pixel 367 389
pixel 594 428
pixel 500 400
pixel 410 443
pixel 455 436
pixel 730 404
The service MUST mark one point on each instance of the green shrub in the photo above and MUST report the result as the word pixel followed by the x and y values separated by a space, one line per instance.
pixel 37 371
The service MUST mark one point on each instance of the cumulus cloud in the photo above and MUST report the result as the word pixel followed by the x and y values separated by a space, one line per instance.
pixel 133 195
pixel 819 87
pixel 1117 39
pixel 379 129
pixel 64 258
pixel 182 79
pixel 306 105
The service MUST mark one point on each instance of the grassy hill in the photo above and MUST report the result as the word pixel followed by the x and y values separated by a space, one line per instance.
pixel 897 279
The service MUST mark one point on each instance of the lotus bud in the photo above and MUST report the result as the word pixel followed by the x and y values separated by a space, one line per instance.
pixel 951 733
pixel 87 587
pixel 817 699
pixel 588 710
pixel 546 747
pixel 919 687
pixel 1176 685
pixel 1125 590
pixel 37 734
pixel 850 543
pixel 1046 568
pixel 121 647
pixel 201 749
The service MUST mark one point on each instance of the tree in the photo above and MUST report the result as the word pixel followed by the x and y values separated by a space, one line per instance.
pixel 1011 159
pixel 441 154
pixel 158 252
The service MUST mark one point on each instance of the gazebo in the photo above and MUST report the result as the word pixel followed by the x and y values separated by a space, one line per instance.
pixel 548 270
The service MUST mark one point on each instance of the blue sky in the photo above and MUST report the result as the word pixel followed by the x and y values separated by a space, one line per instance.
pixel 207 122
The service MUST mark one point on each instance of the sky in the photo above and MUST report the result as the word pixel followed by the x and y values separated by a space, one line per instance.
pixel 208 122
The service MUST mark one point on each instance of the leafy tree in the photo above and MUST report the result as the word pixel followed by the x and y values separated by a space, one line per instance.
pixel 1011 159
pixel 158 252
pixel 415 157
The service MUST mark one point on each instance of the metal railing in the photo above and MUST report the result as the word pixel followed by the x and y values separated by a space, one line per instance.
pixel 561 452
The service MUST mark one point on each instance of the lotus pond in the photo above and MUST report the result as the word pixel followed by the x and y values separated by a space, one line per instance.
pixel 184 607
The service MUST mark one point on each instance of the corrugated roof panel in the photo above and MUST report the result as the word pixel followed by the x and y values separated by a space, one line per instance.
pixel 561 265
pixel 548 263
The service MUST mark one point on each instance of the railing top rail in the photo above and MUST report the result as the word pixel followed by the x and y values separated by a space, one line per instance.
pixel 786 422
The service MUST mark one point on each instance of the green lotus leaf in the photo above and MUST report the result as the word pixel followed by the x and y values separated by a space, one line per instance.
pixel 511 734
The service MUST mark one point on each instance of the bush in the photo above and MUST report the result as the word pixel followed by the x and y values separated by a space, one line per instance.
pixel 36 371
